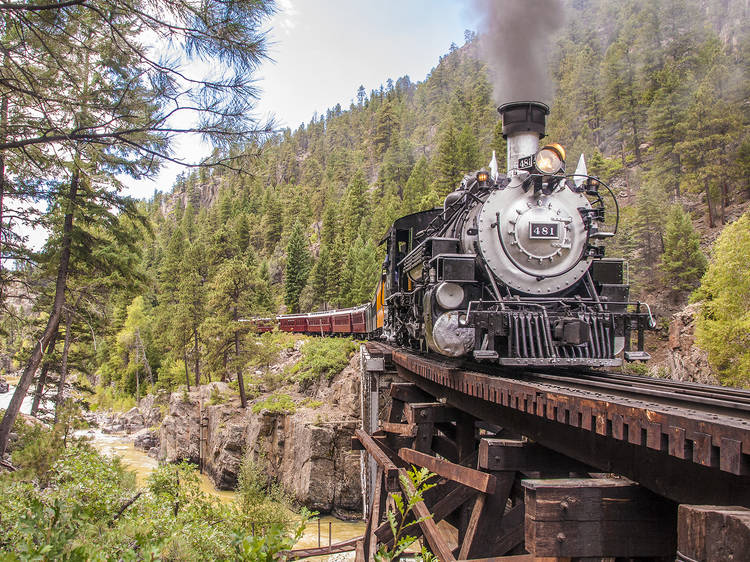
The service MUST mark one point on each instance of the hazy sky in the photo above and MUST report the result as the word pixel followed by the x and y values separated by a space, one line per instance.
pixel 322 50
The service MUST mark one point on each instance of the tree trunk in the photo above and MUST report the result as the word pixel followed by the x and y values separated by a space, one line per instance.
pixel 52 323
pixel 63 364
pixel 187 373
pixel 3 135
pixel 43 375
pixel 196 358
pixel 142 353
pixel 708 203
pixel 240 378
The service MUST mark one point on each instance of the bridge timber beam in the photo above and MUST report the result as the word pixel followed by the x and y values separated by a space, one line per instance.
pixel 526 464
pixel 640 439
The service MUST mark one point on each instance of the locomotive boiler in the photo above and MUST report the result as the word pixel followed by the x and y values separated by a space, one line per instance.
pixel 512 269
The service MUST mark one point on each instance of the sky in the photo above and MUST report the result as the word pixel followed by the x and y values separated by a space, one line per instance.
pixel 323 50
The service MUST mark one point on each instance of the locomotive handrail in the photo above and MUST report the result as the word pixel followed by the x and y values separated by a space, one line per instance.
pixel 611 193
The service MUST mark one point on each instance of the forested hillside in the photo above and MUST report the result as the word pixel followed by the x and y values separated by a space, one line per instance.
pixel 654 94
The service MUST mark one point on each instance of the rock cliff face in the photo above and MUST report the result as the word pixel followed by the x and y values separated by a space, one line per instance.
pixel 687 362
pixel 307 452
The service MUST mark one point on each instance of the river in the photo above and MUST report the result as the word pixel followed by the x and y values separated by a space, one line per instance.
pixel 143 465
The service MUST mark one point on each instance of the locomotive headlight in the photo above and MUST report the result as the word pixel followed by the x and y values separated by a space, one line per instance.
pixel 449 295
pixel 550 159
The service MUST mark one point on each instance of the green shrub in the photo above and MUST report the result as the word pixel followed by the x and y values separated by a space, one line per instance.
pixel 261 500
pixel 276 403
pixel 106 398
pixel 86 507
pixel 264 349
pixel 323 357
pixel 723 324
pixel 216 397
pixel 603 167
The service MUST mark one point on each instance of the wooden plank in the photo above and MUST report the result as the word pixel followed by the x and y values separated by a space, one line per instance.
pixel 471 529
pixel 593 499
pixel 395 411
pixel 713 533
pixel 522 456
pixel 435 412
pixel 503 526
pixel 423 439
pixel 512 558
pixel 444 447
pixel 359 552
pixel 406 429
pixel 440 510
pixel 511 532
pixel 451 502
pixel 372 540
pixel 470 477
pixel 343 546
pixel 390 469
pixel 465 435
pixel 429 528
pixel 408 392
pixel 597 518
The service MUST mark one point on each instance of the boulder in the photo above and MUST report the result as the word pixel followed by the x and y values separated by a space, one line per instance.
pixel 146 439
pixel 4 386
pixel 179 432
pixel 685 360
pixel 132 420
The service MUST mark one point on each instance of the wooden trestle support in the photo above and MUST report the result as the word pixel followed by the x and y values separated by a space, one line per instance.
pixel 528 472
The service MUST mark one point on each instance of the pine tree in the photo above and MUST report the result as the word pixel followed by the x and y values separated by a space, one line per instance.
pixel 417 186
pixel 297 267
pixel 231 303
pixel 447 162
pixel 264 301
pixel 356 205
pixel 683 262
pixel 467 151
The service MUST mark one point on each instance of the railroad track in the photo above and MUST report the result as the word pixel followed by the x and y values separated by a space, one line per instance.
pixel 731 401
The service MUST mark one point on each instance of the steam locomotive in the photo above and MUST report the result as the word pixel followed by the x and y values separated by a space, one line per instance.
pixel 511 270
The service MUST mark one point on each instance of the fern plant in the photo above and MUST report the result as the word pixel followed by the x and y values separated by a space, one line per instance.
pixel 416 479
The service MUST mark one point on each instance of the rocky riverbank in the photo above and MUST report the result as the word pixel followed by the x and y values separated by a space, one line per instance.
pixel 307 451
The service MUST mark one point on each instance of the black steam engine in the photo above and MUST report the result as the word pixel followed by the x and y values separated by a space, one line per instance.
pixel 512 269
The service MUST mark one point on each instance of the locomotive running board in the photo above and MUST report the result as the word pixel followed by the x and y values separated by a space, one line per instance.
pixel 559 362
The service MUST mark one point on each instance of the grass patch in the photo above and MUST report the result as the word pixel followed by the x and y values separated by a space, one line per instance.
pixel 312 404
pixel 276 403
pixel 322 357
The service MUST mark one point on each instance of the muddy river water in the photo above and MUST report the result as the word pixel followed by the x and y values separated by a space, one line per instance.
pixel 143 465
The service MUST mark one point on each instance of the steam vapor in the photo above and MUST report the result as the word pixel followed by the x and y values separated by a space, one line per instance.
pixel 516 42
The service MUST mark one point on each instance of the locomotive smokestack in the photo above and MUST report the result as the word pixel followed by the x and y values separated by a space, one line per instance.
pixel 523 125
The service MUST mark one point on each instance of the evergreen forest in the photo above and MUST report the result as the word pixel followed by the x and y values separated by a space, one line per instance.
pixel 128 296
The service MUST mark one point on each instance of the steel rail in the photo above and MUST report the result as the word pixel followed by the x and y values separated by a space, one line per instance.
pixel 684 394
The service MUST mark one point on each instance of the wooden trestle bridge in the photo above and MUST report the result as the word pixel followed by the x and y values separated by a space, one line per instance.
pixel 549 466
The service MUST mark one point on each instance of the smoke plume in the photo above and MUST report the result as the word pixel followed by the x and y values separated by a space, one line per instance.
pixel 517 38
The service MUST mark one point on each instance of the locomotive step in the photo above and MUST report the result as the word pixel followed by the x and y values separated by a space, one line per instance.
pixel 485 354
pixel 637 356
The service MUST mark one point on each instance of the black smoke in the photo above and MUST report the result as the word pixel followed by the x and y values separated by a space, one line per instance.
pixel 517 38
